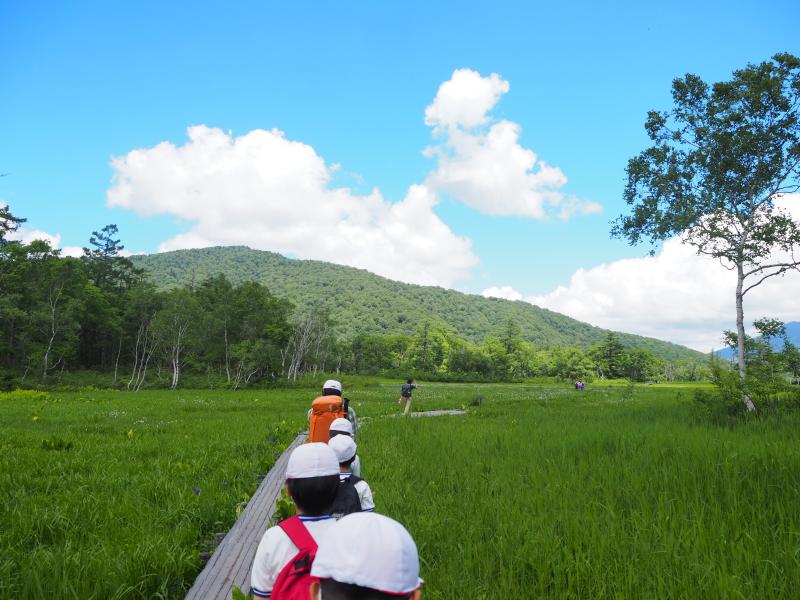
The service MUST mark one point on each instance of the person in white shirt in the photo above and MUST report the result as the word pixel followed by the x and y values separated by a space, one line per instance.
pixel 354 493
pixel 342 426
pixel 366 556
pixel 312 481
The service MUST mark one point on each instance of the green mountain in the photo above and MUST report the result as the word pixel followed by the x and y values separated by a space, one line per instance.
pixel 362 302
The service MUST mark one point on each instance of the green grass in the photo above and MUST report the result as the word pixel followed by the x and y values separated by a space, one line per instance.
pixel 552 493
pixel 541 491
pixel 108 494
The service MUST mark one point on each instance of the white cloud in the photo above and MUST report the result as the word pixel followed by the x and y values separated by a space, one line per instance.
pixel 465 100
pixel 675 295
pixel 506 292
pixel 26 236
pixel 480 161
pixel 74 251
pixel 271 193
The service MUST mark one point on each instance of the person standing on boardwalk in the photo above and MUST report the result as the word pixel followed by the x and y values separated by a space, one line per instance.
pixel 326 408
pixel 345 427
pixel 312 481
pixel 354 493
pixel 405 394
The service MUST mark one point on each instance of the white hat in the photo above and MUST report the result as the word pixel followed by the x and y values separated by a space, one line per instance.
pixel 342 425
pixel 332 384
pixel 344 447
pixel 371 551
pixel 312 460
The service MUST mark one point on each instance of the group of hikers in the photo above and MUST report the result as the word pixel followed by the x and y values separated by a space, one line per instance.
pixel 335 547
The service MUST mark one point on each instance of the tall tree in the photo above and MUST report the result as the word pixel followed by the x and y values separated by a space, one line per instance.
pixel 720 159
pixel 8 224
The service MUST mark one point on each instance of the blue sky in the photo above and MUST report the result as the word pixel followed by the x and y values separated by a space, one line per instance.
pixel 83 82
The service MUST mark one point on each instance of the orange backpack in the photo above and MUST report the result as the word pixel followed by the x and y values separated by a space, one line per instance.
pixel 324 411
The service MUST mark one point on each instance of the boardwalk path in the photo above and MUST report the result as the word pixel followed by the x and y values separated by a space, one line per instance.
pixel 230 564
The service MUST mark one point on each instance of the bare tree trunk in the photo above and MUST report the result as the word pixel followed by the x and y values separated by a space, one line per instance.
pixel 227 361
pixel 740 356
pixel 136 355
pixel 53 301
pixel 116 362
pixel 148 353
pixel 175 352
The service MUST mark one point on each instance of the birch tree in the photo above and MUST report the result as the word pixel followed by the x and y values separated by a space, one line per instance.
pixel 721 160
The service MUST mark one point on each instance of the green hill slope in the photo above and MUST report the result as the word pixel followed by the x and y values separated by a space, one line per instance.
pixel 362 302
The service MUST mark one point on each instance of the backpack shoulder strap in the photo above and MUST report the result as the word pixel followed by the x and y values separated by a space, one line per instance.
pixel 297 532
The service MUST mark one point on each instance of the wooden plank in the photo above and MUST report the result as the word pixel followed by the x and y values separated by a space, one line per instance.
pixel 232 560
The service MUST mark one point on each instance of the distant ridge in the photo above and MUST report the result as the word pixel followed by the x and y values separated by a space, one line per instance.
pixel 361 302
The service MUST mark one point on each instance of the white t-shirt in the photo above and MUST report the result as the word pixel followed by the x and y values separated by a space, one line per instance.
pixel 276 549
pixel 364 493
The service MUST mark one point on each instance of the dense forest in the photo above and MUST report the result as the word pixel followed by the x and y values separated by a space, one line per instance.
pixel 360 302
pixel 104 314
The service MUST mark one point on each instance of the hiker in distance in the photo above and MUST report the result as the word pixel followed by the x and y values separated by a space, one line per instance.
pixel 369 557
pixel 312 481
pixel 405 394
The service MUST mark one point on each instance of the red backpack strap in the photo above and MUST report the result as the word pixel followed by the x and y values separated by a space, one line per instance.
pixel 297 532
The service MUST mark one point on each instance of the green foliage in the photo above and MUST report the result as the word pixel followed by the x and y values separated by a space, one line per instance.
pixel 588 496
pixel 99 316
pixel 113 494
pixel 284 508
pixel 9 223
pixel 56 443
pixel 238 594
pixel 24 395
pixel 363 304
pixel 573 495
pixel 720 159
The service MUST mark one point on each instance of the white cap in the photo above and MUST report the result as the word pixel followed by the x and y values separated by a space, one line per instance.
pixel 332 384
pixel 312 460
pixel 344 447
pixel 371 551
pixel 342 425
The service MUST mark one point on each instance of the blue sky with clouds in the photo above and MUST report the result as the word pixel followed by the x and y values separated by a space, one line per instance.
pixel 348 84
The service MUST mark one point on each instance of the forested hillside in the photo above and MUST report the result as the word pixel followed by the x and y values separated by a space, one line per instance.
pixel 362 303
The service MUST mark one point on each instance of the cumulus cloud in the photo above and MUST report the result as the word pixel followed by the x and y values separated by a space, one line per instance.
pixel 675 295
pixel 268 192
pixel 27 235
pixel 506 292
pixel 480 161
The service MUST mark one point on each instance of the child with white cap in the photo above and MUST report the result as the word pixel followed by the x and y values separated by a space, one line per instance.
pixel 344 427
pixel 312 481
pixel 354 493
pixel 366 556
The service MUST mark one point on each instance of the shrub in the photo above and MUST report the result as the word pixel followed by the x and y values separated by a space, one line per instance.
pixel 31 395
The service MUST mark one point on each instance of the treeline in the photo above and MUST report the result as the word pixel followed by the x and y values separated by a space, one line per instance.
pixel 100 313
pixel 436 352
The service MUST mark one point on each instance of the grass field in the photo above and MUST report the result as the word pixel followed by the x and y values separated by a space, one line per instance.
pixel 609 493
pixel 540 491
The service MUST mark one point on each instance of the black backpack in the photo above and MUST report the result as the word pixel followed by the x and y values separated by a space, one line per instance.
pixel 347 499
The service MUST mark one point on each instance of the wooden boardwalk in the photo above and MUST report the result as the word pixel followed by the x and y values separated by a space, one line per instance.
pixel 437 413
pixel 230 564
